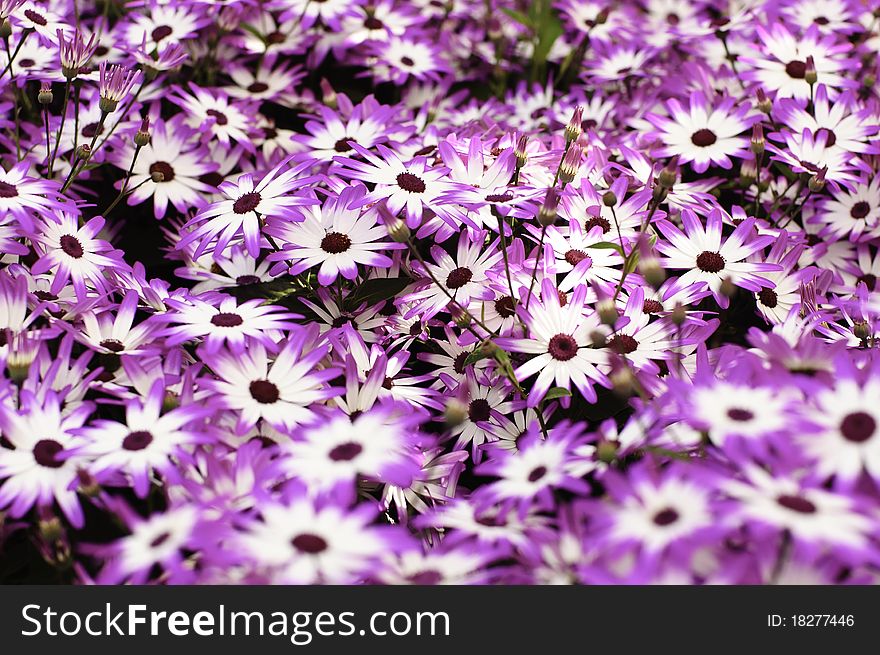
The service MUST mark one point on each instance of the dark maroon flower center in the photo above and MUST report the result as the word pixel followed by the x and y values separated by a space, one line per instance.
pixel 46 453
pixel 562 347
pixel 652 306
pixel 411 183
pixel 270 133
pixel 478 410
pixel 673 19
pixel 537 473
pixel 703 138
pixel 113 345
pixel 258 87
pixel 71 246
pixel 406 61
pixel 91 129
pixel 373 23
pixel 710 262
pixel 340 320
pixel 264 392
pixel 8 190
pixel 665 517
pixel 426 577
pixel 161 539
pixel 247 280
pixel 162 167
pixel 768 298
pixel 830 136
pixel 26 63
pixel 161 32
pixel 219 116
pixel 35 18
pixel 275 37
pixel 226 319
pixel 45 295
pixel 335 243
pixel 343 145
pixel 622 344
pixel 137 440
pixel 499 197
pixel 505 306
pixel 387 383
pixel 458 277
pixel 458 363
pixel 214 178
pixel 346 452
pixel 821 20
pixel 597 220
pixel 869 279
pixel 796 504
pixel 310 544
pixel 858 427
pixel 738 414
pixel 860 209
pixel 246 203
pixel 575 257
pixel 796 69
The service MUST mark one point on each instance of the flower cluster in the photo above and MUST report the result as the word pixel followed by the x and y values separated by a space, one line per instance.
pixel 402 291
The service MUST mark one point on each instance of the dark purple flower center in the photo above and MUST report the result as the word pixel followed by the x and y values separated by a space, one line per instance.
pixel 137 440
pixel 8 190
pixel 796 504
pixel 373 23
pixel 161 539
pixel 425 577
pixel 703 138
pixel 335 243
pixel 858 427
pixel 275 37
pixel 597 220
pixel 478 410
pixel 246 203
pixel 499 197
pixel 505 306
pixel 163 167
pixel 247 280
pixel 673 19
pixel 665 517
pixel 46 453
pixel 830 136
pixel 71 246
pixel 35 18
pixel 258 87
pixel 537 473
pixel 310 544
pixel 575 257
pixel 264 392
pixel 796 69
pixel 113 345
pixel 411 183
pixel 562 347
pixel 343 145
pixel 387 383
pixel 458 277
pixel 219 116
pixel 406 61
pixel 652 306
pixel 45 295
pixel 92 129
pixel 458 364
pixel 738 414
pixel 869 279
pixel 821 20
pixel 768 298
pixel 710 262
pixel 346 452
pixel 213 178
pixel 860 209
pixel 622 344
pixel 340 320
pixel 161 32
pixel 226 319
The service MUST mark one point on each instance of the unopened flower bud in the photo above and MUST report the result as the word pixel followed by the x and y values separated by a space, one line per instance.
pixel 520 151
pixel 83 152
pixel 398 231
pixel 607 311
pixel 157 176
pixel 88 486
pixel 328 94
pixel 5 29
pixel 170 401
pixel 547 213
pixel 861 330
pixel 817 181
pixel 757 144
pixel 51 529
pixel 602 16
pixel 609 199
pixel 810 74
pixel 748 172
pixel 669 174
pixel 764 103
pixel 728 288
pixel 142 136
pixel 652 271
pixel 623 381
pixel 598 339
pixel 461 318
pixel 606 451
pixel 678 315
pixel 573 129
pixel 45 97
pixel 455 413
pixel 571 162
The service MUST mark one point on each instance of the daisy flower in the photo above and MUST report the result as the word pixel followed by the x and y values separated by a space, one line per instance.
pixel 809 153
pixel 401 58
pixel 707 258
pixel 559 339
pixel 331 133
pixel 282 392
pixel 853 214
pixel 22 195
pixel 217 116
pixel 246 204
pixel 337 236
pixel 704 133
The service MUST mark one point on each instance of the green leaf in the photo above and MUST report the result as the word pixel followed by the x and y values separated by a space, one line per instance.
pixel 272 290
pixel 548 31
pixel 519 17
pixel 608 245
pixel 557 392
pixel 631 262
pixel 376 290
pixel 475 356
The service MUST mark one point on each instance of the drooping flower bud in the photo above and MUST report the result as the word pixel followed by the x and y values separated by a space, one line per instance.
pixel 142 136
pixel 398 231
pixel 547 213
pixel 817 182
pixel 328 94
pixel 810 74
pixel 609 199
pixel 764 103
